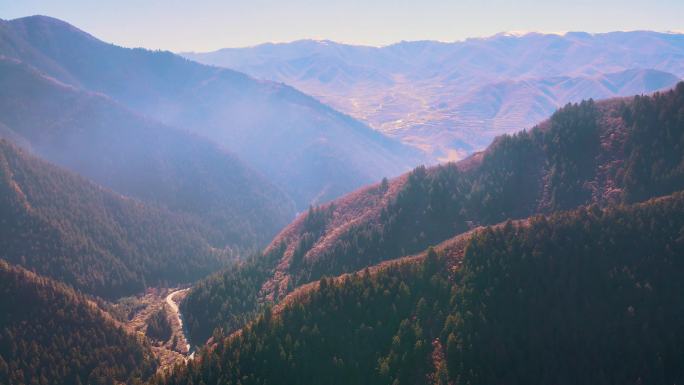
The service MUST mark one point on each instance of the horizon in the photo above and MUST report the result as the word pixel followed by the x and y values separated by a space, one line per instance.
pixel 207 25
pixel 514 34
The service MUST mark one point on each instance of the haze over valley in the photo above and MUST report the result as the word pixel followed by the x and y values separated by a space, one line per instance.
pixel 451 99
pixel 314 152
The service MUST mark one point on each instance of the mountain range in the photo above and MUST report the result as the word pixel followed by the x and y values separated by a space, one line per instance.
pixel 452 99
pixel 166 222
pixel 309 150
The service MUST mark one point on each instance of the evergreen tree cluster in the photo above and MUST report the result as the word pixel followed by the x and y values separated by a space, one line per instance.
pixel 591 296
pixel 158 326
pixel 70 229
pixel 554 167
pixel 347 331
pixel 227 300
pixel 584 154
pixel 49 334
pixel 586 296
pixel 654 162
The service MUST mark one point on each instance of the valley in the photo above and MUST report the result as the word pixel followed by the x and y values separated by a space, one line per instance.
pixel 452 99
pixel 496 210
pixel 135 314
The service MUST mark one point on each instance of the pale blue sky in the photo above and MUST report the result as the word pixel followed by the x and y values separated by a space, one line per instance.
pixel 202 25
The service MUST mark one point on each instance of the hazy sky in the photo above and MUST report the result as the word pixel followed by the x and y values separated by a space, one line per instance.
pixel 201 25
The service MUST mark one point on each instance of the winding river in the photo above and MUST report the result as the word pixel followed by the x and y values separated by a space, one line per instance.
pixel 174 307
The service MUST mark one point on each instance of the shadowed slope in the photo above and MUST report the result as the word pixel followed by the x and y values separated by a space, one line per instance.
pixel 312 151
pixel 51 334
pixel 102 140
pixel 68 228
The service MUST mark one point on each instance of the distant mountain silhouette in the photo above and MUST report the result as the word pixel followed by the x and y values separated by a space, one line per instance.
pixel 451 99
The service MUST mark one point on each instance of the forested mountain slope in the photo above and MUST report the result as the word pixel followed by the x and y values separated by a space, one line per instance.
pixel 586 296
pixel 66 227
pixel 91 134
pixel 49 334
pixel 623 150
pixel 313 152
